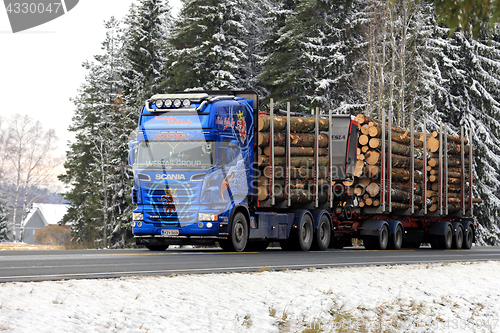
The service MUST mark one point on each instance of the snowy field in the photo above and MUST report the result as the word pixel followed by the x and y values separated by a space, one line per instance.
pixel 451 297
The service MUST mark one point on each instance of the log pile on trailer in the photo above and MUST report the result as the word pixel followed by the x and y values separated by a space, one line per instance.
pixel 304 149
pixel 430 183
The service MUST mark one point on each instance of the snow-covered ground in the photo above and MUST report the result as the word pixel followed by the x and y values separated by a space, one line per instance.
pixel 456 297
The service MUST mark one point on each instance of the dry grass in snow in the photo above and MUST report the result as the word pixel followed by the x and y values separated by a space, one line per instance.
pixel 456 297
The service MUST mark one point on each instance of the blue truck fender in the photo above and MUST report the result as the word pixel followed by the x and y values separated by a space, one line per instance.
pixel 297 217
pixel 455 226
pixel 438 228
pixel 469 226
pixel 393 224
pixel 372 227
pixel 234 210
pixel 317 213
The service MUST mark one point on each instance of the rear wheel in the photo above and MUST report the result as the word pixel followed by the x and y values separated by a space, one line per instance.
pixel 300 239
pixel 157 247
pixel 238 235
pixel 468 238
pixel 458 238
pixel 379 242
pixel 396 240
pixel 305 234
pixel 323 234
pixel 443 241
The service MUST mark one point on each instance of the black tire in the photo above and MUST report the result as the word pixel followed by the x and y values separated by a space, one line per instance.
pixel 443 242
pixel 379 242
pixel 157 247
pixel 300 239
pixel 396 240
pixel 238 234
pixel 468 238
pixel 322 235
pixel 305 233
pixel 458 238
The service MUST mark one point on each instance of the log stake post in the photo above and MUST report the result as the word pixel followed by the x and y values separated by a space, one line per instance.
pixel 412 165
pixel 441 180
pixel 316 158
pixel 389 152
pixel 330 166
pixel 445 169
pixel 462 162
pixel 288 154
pixel 383 170
pixel 271 144
pixel 471 178
pixel 424 171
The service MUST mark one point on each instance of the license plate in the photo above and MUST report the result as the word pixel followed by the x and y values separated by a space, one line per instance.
pixel 169 233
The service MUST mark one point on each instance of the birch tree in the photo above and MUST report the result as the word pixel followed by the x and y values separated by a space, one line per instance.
pixel 30 160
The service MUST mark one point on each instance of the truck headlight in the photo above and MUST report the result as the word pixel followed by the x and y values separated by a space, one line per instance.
pixel 207 217
pixel 138 216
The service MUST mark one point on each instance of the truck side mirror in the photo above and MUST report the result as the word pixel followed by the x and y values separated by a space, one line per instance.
pixel 132 153
pixel 131 156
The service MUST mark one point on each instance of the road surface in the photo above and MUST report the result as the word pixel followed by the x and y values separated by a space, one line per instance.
pixel 84 264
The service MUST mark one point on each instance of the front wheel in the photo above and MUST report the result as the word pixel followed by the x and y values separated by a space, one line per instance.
pixel 238 235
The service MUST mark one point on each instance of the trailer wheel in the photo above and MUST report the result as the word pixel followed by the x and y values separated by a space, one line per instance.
pixel 468 239
pixel 458 238
pixel 238 235
pixel 444 241
pixel 322 235
pixel 379 242
pixel 157 247
pixel 396 240
pixel 305 233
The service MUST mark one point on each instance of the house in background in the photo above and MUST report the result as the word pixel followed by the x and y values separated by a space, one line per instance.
pixel 39 217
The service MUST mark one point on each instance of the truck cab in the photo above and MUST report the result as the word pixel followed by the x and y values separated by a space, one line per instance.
pixel 192 166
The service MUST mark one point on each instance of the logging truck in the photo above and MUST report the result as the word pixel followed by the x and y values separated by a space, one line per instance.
pixel 210 168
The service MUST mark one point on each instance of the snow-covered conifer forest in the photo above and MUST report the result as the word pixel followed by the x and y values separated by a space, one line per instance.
pixel 357 56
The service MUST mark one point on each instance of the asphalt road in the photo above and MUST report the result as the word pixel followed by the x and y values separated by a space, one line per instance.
pixel 85 264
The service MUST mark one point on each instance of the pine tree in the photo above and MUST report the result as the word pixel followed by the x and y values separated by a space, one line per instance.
pixel 90 165
pixel 146 31
pixel 257 22
pixel 206 49
pixel 473 84
pixel 4 234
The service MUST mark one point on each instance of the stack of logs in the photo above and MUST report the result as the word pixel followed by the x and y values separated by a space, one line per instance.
pixel 368 167
pixel 302 151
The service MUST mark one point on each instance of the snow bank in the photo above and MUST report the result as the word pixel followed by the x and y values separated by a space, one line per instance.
pixel 457 297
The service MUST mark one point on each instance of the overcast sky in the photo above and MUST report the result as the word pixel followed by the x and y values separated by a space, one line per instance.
pixel 41 67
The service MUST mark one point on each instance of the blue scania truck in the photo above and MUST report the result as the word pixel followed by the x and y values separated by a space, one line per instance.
pixel 199 169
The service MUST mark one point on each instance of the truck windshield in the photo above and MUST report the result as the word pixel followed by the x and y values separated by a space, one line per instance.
pixel 176 154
